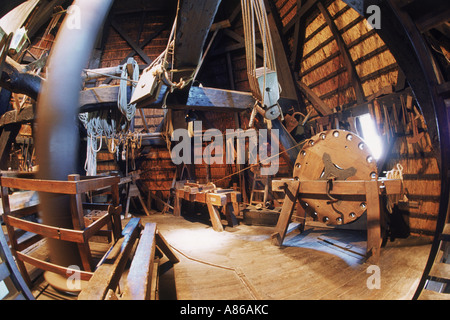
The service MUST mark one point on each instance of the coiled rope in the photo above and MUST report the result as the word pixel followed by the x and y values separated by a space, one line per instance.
pixel 126 108
pixel 395 173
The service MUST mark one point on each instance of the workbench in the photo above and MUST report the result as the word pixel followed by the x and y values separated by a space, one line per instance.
pixel 214 198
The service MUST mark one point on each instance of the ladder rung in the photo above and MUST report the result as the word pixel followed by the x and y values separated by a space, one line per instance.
pixel 433 295
pixel 440 270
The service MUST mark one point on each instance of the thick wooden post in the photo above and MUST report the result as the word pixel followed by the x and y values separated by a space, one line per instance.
pixel 287 209
pixel 76 208
pixel 373 221
pixel 214 214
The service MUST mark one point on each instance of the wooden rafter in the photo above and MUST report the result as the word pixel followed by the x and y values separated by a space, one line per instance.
pixel 199 98
pixel 316 101
pixel 299 40
pixel 131 42
pixel 350 66
pixel 300 13
pixel 141 45
pixel 240 44
pixel 323 26
pixel 285 74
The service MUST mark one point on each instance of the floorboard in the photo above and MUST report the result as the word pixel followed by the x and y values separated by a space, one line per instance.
pixel 319 263
pixel 241 263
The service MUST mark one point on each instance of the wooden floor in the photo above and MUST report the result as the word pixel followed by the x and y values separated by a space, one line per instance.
pixel 242 264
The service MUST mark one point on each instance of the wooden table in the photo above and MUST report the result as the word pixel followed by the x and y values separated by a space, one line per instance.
pixel 214 198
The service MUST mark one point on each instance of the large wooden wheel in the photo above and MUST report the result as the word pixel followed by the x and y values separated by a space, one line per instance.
pixel 335 155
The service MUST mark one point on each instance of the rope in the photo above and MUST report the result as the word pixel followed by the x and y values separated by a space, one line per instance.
pixel 395 173
pixel 161 65
pixel 127 109
pixel 252 9
pixel 259 162
pixel 87 71
pixel 253 292
pixel 110 124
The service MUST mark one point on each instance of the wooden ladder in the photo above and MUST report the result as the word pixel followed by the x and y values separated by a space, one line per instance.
pixel 437 269
pixel 10 277
pixel 266 182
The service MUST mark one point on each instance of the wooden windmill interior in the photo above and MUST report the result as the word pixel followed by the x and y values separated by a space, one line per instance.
pixel 356 206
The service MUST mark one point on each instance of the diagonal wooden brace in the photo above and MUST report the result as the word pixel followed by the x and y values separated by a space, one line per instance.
pixel 114 212
pixel 291 189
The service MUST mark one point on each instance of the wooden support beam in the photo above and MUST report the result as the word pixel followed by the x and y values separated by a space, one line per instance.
pixel 15 78
pixel 164 246
pixel 195 15
pixel 23 115
pixel 144 119
pixel 287 209
pixel 194 20
pixel 373 221
pixel 309 5
pixel 284 70
pixel 438 15
pixel 141 45
pixel 131 42
pixel 139 278
pixel 288 143
pixel 214 215
pixel 199 98
pixel 89 74
pixel 108 274
pixel 240 44
pixel 356 82
pixel 316 102
pixel 299 41
pixel 323 26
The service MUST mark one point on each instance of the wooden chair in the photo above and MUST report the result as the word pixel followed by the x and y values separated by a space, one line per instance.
pixel 75 186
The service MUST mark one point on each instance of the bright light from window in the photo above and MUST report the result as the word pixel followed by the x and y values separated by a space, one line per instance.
pixel 370 135
pixel 3 290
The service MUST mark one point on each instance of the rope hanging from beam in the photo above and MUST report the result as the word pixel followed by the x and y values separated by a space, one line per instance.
pixel 161 71
pixel 129 70
pixel 110 124
pixel 252 9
